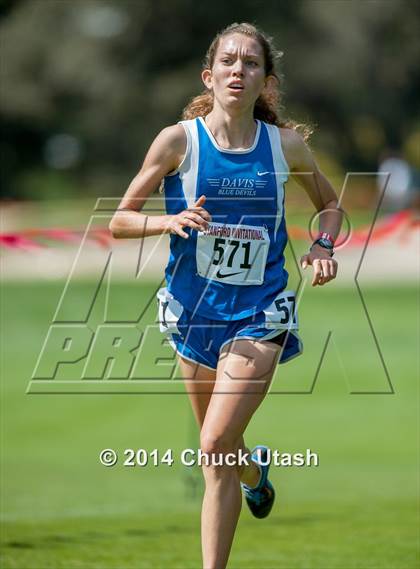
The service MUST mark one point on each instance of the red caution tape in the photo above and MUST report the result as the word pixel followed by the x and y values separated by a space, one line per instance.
pixel 28 239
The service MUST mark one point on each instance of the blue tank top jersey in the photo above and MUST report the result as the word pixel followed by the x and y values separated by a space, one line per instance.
pixel 235 268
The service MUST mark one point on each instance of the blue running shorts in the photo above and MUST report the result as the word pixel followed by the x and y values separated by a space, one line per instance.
pixel 200 339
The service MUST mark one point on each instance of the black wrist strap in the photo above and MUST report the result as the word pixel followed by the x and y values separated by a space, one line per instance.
pixel 329 249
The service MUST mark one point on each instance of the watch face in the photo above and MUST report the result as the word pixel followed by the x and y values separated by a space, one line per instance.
pixel 326 243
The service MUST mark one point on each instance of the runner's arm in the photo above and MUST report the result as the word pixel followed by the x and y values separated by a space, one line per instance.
pixel 304 169
pixel 164 155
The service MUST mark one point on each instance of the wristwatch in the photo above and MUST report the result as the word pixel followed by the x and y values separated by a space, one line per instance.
pixel 325 241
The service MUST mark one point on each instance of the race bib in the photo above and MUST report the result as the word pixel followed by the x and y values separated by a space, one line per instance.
pixel 233 254
pixel 282 313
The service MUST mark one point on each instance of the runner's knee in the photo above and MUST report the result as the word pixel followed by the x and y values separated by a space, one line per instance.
pixel 211 442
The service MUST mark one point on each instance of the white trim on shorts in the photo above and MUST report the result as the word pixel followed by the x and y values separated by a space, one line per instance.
pixel 172 343
pixel 268 336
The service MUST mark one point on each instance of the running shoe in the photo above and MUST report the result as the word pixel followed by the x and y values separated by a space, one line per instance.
pixel 261 498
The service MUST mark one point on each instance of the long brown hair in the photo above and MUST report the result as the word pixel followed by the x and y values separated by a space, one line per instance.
pixel 268 105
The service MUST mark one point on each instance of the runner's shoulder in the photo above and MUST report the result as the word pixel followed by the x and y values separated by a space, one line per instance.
pixel 174 136
pixel 294 147
pixel 170 145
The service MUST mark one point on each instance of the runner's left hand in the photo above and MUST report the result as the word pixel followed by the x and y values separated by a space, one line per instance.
pixel 325 267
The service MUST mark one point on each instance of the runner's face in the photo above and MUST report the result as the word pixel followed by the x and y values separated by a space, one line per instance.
pixel 238 75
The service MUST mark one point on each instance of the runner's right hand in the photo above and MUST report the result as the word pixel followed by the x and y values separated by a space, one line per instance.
pixel 195 217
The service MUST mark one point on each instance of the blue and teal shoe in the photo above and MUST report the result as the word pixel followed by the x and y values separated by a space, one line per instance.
pixel 260 499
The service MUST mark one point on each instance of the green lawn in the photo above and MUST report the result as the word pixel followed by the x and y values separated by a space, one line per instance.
pixel 62 509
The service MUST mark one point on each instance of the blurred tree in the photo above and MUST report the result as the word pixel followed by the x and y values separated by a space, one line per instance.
pixel 94 81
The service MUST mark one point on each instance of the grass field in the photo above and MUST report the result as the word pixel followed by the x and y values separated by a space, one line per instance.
pixel 358 509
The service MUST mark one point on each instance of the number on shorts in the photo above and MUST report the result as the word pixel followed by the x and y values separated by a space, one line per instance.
pixel 285 309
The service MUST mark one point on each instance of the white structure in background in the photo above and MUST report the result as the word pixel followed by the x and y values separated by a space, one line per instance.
pixel 396 174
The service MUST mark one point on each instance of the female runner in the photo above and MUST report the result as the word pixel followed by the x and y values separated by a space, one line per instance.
pixel 225 308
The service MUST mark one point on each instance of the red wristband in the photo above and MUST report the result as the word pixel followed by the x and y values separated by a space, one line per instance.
pixel 325 236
